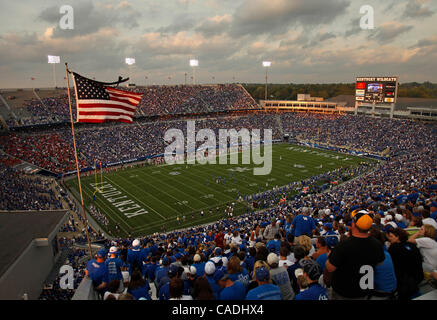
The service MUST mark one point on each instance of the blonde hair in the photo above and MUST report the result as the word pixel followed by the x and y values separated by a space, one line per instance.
pixel 305 242
pixel 429 231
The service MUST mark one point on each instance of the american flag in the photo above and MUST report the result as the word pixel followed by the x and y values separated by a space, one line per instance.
pixel 97 102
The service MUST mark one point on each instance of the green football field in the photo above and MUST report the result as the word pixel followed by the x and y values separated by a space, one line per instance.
pixel 146 199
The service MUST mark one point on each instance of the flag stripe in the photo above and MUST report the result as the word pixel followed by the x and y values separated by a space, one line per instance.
pixel 103 113
pixel 114 94
pixel 106 103
pixel 109 117
pixel 126 93
pixel 125 100
pixel 87 107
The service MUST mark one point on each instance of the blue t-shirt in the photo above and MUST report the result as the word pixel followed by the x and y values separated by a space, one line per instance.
pixel 97 271
pixel 276 244
pixel 321 260
pixel 385 277
pixel 141 292
pixel 314 292
pixel 200 268
pixel 216 289
pixel 242 277
pixel 303 225
pixel 150 271
pixel 235 292
pixel 164 292
pixel 265 292
pixel 134 256
pixel 114 269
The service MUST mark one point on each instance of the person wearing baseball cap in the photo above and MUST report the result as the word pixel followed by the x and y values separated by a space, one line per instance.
pixel 351 255
pixel 210 271
pixel 230 290
pixel 134 257
pixel 265 290
pixel 114 265
pixel 312 272
pixel 280 277
pixel 96 270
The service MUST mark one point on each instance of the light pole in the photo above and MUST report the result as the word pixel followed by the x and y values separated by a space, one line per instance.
pixel 129 62
pixel 266 64
pixel 194 63
pixel 54 60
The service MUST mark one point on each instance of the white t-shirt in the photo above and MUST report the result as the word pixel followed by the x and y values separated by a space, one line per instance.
pixel 184 297
pixel 428 249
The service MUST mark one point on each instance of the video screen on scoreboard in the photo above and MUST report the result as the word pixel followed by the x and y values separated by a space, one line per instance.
pixel 376 89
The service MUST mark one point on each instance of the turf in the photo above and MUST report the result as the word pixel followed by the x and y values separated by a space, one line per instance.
pixel 170 191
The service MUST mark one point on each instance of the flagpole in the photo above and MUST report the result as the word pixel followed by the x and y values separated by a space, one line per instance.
pixel 77 163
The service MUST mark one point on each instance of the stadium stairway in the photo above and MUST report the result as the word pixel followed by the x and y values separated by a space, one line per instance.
pixel 278 120
pixel 39 98
pixel 6 113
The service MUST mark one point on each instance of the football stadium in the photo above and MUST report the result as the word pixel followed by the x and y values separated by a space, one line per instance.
pixel 121 184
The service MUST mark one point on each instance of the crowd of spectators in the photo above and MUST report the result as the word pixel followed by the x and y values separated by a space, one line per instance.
pixel 19 191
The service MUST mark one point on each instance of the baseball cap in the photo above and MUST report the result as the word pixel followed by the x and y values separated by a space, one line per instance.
pixel 328 225
pixel 191 270
pixel 113 250
pixel 298 272
pixel 209 268
pixel 101 253
pixel 362 219
pixel 136 243
pixel 220 275
pixel 178 255
pixel 218 250
pixel 331 241
pixel 197 257
pixel 272 258
pixel 262 274
pixel 165 261
pixel 173 271
pixel 311 268
pixel 398 217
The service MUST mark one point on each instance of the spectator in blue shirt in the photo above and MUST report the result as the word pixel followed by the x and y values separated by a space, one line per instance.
pixel 137 287
pixel 312 273
pixel 135 256
pixel 161 273
pixel 384 276
pixel 114 265
pixel 97 271
pixel 303 224
pixel 275 244
pixel 265 290
pixel 231 290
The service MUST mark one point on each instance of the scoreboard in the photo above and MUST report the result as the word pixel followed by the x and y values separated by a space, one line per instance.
pixel 378 90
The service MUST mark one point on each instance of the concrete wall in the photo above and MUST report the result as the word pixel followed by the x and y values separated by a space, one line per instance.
pixel 28 273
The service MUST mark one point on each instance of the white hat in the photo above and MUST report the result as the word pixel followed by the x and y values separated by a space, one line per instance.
pixel 298 272
pixel 191 270
pixel 388 218
pixel 272 258
pixel 209 268
pixel 398 217
pixel 136 243
pixel 197 258
pixel 113 250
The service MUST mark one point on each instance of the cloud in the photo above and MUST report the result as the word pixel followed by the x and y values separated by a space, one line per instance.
pixel 389 31
pixel 90 18
pixel 255 17
pixel 426 42
pixel 181 22
pixel 417 9
pixel 215 25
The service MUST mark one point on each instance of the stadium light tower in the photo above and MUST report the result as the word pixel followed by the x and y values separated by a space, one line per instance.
pixel 54 60
pixel 194 63
pixel 266 64
pixel 130 62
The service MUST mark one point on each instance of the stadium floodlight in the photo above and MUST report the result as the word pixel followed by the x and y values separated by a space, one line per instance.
pixel 54 60
pixel 194 63
pixel 266 64
pixel 130 61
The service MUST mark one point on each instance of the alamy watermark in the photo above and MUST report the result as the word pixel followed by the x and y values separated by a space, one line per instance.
pixel 67 20
pixel 249 141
